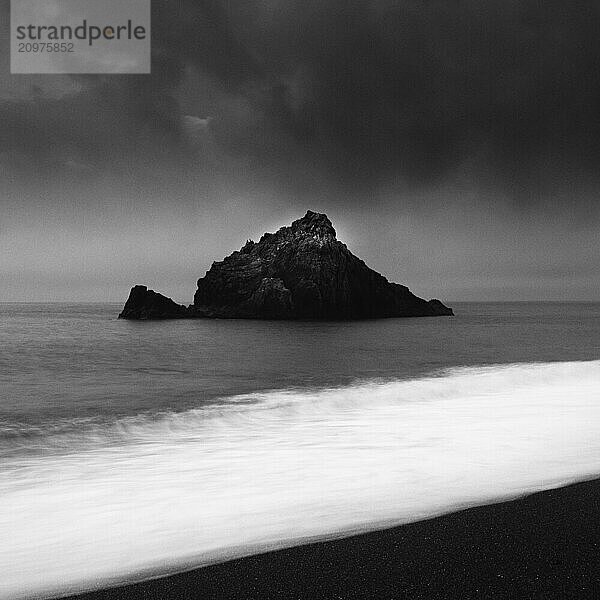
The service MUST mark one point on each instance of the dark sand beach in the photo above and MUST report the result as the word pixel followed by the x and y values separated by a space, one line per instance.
pixel 546 545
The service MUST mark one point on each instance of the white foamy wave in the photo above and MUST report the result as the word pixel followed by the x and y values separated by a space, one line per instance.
pixel 154 494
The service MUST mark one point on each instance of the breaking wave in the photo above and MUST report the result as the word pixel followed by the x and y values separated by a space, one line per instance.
pixel 86 503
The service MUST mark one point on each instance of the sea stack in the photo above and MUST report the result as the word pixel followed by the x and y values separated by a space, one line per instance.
pixel 300 272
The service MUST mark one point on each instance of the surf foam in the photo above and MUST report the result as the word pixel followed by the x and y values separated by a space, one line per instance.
pixel 156 494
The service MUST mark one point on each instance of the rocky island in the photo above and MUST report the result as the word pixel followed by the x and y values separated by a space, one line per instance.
pixel 300 272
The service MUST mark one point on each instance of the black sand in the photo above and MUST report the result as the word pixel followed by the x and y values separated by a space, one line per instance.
pixel 544 546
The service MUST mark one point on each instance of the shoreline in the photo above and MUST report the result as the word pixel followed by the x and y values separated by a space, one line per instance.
pixel 545 545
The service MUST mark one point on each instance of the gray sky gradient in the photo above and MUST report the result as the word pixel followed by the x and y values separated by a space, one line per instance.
pixel 455 146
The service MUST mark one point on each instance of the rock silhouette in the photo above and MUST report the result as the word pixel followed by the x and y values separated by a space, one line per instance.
pixel 145 304
pixel 300 272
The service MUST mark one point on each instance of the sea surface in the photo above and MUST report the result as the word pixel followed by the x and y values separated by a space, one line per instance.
pixel 134 449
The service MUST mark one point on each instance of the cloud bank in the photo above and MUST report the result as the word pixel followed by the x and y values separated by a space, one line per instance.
pixel 377 111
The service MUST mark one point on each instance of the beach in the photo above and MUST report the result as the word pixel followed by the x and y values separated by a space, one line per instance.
pixel 167 447
pixel 300 300
pixel 546 545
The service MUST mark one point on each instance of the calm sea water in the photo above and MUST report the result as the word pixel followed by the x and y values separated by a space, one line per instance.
pixel 133 448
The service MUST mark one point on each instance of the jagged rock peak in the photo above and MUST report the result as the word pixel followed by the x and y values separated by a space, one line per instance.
pixel 300 272
pixel 312 226
pixel 315 224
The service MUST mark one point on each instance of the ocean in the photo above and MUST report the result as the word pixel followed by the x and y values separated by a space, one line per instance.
pixel 134 449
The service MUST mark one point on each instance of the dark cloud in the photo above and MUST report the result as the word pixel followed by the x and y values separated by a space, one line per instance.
pixel 363 89
pixel 106 124
pixel 416 88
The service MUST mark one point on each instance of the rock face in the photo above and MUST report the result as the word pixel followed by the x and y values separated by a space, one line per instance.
pixel 144 304
pixel 299 272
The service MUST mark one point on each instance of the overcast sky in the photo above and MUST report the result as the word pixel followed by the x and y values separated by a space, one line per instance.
pixel 454 144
